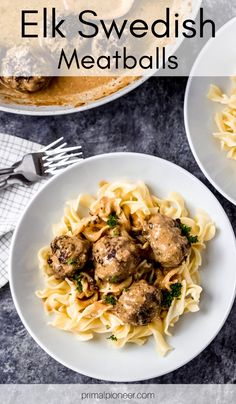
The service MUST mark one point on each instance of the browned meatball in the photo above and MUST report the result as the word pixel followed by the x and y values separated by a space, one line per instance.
pixel 116 258
pixel 169 247
pixel 69 254
pixel 17 67
pixel 25 84
pixel 140 304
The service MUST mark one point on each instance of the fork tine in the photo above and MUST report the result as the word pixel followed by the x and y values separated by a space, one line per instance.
pixel 52 144
pixel 54 171
pixel 48 159
pixel 60 146
pixel 74 154
pixel 66 149
pixel 60 158
pixel 63 163
pixel 56 156
pixel 58 149
pixel 59 168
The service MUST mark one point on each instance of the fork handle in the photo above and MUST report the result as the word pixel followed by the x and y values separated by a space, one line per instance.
pixel 4 171
pixel 4 185
pixel 7 182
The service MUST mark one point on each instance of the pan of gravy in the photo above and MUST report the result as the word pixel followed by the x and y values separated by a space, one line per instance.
pixel 71 94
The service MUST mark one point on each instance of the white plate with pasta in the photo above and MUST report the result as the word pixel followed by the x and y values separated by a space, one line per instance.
pixel 122 267
pixel 210 111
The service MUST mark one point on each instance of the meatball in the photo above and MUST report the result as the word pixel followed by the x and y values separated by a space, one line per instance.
pixel 71 40
pixel 140 304
pixel 169 247
pixel 116 258
pixel 69 254
pixel 18 66
pixel 25 84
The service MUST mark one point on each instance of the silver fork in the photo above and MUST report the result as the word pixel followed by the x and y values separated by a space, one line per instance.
pixel 50 160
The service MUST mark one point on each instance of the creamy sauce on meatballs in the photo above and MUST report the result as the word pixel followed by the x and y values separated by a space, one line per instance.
pixel 169 247
pixel 68 255
pixel 115 258
pixel 140 304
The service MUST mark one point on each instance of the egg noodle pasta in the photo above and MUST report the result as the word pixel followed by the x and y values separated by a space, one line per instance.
pixel 225 119
pixel 85 311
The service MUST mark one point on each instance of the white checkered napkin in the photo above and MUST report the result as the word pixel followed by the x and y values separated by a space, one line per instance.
pixel 14 199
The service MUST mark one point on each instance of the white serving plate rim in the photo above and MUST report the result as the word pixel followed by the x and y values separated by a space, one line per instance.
pixel 186 120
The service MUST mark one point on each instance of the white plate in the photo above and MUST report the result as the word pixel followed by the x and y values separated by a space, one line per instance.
pixel 200 112
pixel 96 358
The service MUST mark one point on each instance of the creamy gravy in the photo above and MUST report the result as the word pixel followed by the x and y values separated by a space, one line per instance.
pixel 76 91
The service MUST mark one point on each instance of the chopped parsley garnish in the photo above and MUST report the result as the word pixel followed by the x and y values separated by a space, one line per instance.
pixel 176 289
pixel 112 220
pixel 72 261
pixel 186 231
pixel 112 338
pixel 168 296
pixel 79 285
pixel 192 239
pixel 114 279
pixel 110 299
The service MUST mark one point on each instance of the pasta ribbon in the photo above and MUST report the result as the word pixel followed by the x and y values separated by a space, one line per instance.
pixel 226 119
